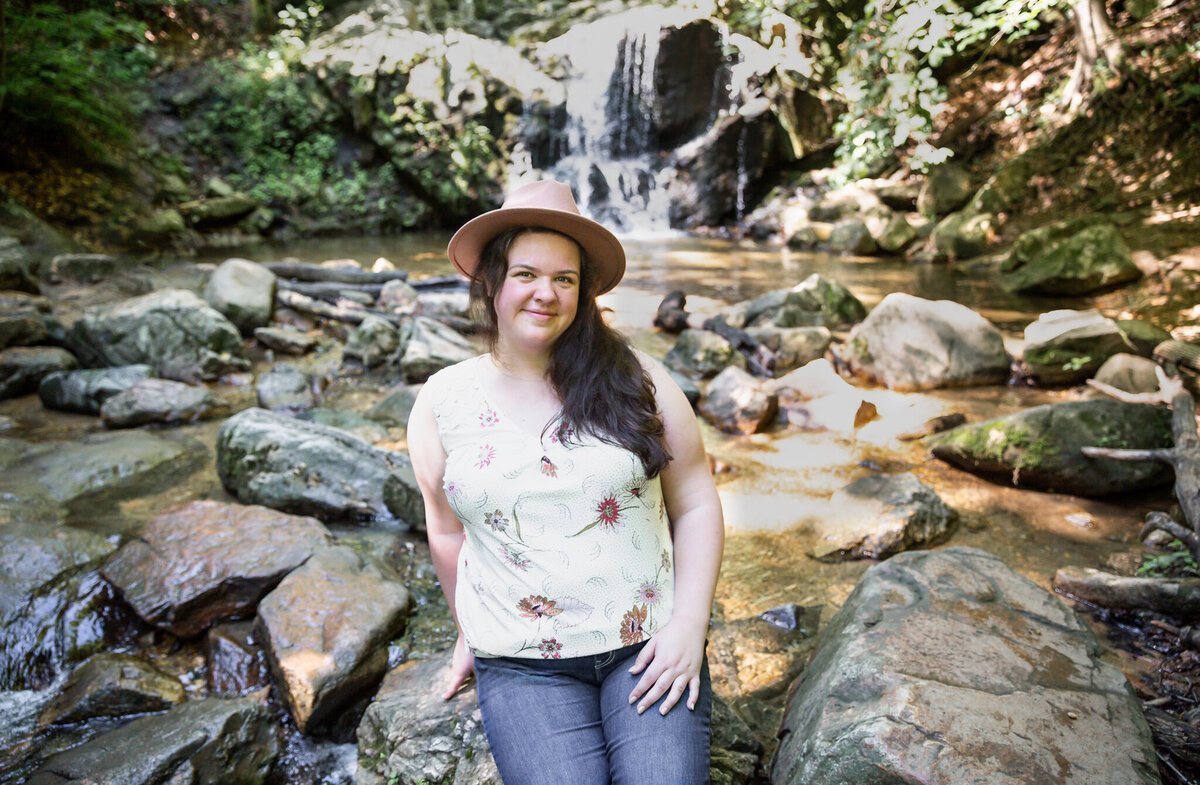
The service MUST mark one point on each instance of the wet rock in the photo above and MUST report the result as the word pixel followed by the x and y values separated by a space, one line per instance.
pixel 325 629
pixel 909 343
pixel 244 292
pixel 204 742
pixel 964 236
pixel 285 339
pixel 398 297
pixel 850 235
pixel 1130 373
pixel 410 735
pixel 942 663
pixel 22 368
pixel 21 327
pixel 736 402
pixel 395 408
pixel 702 354
pixel 157 401
pixel 285 389
pixel 351 422
pixel 372 341
pixel 236 663
pixel 86 391
pixel 90 267
pixel 1143 336
pixel 947 188
pixel 112 685
pixel 671 316
pixel 1066 347
pixel 880 515
pixel 1040 447
pixel 205 561
pixel 98 465
pixel 687 72
pixel 793 346
pixel 171 330
pixel 403 498
pixel 896 235
pixel 427 346
pixel 1094 259
pixel 54 609
pixel 304 468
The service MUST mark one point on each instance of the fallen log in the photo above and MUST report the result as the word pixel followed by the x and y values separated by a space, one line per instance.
pixel 440 283
pixel 300 271
pixel 1178 598
pixel 325 290
pixel 343 311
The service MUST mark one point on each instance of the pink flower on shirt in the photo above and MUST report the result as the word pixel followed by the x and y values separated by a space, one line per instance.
pixel 486 453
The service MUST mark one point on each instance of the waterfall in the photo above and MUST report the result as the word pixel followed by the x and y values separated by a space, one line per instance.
pixel 612 158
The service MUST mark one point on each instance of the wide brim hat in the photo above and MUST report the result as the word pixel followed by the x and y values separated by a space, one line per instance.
pixel 545 204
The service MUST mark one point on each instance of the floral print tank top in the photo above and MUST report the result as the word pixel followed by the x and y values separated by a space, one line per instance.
pixel 567 550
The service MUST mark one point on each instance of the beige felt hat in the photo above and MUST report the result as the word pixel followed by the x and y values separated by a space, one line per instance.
pixel 545 204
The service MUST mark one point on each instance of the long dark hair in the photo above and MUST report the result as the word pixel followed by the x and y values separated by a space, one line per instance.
pixel 604 389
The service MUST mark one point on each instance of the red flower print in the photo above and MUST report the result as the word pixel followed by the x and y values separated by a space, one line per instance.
pixel 488 418
pixel 486 453
pixel 648 593
pixel 550 649
pixel 608 512
pixel 548 468
pixel 633 625
pixel 536 606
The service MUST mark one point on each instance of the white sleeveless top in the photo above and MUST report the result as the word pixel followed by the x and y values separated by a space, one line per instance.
pixel 567 550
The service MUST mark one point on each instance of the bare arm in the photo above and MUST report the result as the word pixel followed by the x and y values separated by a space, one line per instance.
pixel 671 662
pixel 442 526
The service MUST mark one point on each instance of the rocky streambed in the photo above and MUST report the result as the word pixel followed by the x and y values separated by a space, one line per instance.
pixel 213 567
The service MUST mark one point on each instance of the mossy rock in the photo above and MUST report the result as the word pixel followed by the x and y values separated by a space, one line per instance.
pixel 1040 447
pixel 1092 260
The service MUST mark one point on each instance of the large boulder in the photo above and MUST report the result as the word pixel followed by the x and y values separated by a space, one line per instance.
pixel 427 346
pixel 814 301
pixel 244 292
pixel 86 391
pixel 1040 447
pixel 112 685
pixel 736 402
pixel 949 667
pixel 203 742
pixel 947 188
pixel 909 343
pixel 1066 347
pixel 963 235
pixel 157 401
pixel 171 330
pixel 205 561
pixel 880 515
pixel 687 75
pixel 21 327
pixel 325 629
pixel 304 468
pixel 54 608
pixel 1130 373
pixel 1094 259
pixel 702 354
pixel 22 368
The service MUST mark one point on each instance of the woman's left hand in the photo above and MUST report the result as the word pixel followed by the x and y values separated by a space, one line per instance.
pixel 670 663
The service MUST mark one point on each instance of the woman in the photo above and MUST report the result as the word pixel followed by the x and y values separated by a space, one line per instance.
pixel 583 578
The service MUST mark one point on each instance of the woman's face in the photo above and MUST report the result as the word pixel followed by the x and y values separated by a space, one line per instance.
pixel 540 294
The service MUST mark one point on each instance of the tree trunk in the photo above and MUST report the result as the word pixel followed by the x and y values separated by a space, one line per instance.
pixel 1094 37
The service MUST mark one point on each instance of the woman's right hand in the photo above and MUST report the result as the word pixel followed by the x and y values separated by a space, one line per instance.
pixel 462 665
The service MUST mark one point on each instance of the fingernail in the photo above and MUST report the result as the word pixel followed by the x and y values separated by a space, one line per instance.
pixel 632 698
pixel 641 709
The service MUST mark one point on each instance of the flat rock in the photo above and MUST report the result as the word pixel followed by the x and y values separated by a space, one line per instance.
pixel 325 629
pixel 909 343
pixel 112 685
pixel 205 561
pixel 1040 447
pixel 214 741
pixel 946 667
pixel 90 267
pixel 304 468
pixel 285 339
pixel 157 401
pixel 172 330
pixel 427 346
pixel 85 391
pixel 244 292
pixel 21 327
pixel 880 515
pixel 22 368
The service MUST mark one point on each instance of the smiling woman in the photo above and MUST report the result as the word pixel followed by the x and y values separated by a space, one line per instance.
pixel 580 557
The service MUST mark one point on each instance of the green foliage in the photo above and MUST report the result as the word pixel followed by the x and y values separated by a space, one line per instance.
pixel 1076 363
pixel 1177 563
pixel 79 77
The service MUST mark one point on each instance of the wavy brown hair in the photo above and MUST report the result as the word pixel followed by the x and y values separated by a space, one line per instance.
pixel 604 389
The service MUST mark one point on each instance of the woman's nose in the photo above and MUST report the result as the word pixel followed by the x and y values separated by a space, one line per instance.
pixel 544 290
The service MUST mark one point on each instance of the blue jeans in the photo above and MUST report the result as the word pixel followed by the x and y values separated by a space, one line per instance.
pixel 569 722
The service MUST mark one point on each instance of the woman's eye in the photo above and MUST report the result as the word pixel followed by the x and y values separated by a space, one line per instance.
pixel 566 279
